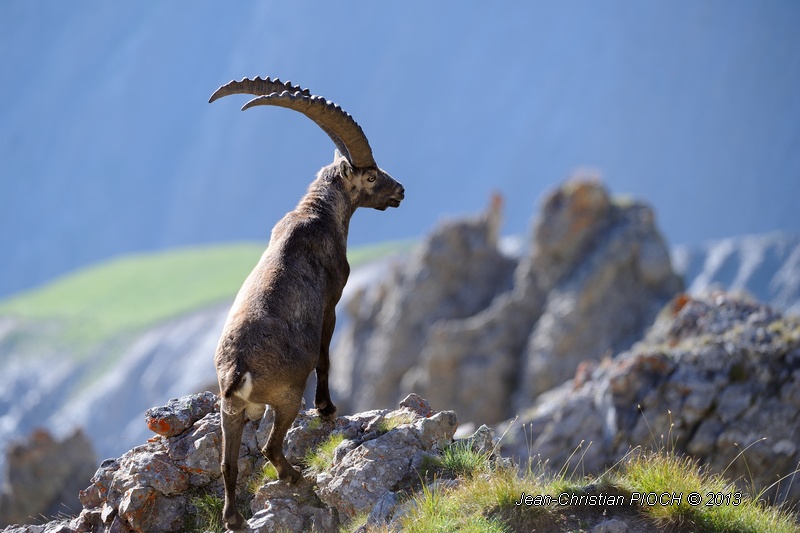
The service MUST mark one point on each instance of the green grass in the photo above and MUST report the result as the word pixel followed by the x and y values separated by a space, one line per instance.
pixel 439 511
pixel 320 458
pixel 484 499
pixel 209 513
pixel 266 474
pixel 723 508
pixel 459 460
pixel 389 423
pixel 133 292
pixel 482 503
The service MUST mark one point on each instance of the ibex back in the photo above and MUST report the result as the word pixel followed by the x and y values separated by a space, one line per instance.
pixel 281 323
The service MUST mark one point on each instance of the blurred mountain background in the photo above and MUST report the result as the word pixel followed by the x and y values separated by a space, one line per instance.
pixel 131 209
pixel 108 145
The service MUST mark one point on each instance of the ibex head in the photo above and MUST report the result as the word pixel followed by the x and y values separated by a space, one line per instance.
pixel 368 185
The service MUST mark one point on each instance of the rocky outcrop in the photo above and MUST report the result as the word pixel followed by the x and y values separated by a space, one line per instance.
pixel 455 273
pixel 157 486
pixel 717 377
pixel 596 275
pixel 43 476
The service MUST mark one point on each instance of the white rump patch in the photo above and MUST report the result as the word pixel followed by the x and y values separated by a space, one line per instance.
pixel 254 411
pixel 247 387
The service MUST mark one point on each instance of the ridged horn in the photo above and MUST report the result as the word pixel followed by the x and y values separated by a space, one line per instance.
pixel 256 86
pixel 334 120
pixel 343 130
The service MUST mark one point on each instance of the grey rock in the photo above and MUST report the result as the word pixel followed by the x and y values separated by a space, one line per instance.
pixel 613 275
pixel 382 511
pixel 152 486
pixel 277 506
pixel 715 377
pixel 180 414
pixel 613 525
pixel 57 526
pixel 417 404
pixel 482 441
pixel 455 273
pixel 364 474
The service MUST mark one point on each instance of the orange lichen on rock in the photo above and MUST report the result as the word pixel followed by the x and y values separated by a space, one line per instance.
pixel 159 425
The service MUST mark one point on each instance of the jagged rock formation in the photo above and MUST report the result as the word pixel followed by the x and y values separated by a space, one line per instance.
pixel 154 486
pixel 597 273
pixel 43 476
pixel 455 273
pixel 714 377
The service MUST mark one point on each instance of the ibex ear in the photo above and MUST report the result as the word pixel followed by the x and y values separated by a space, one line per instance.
pixel 345 168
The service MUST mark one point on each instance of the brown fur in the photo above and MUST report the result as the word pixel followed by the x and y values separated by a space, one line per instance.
pixel 280 326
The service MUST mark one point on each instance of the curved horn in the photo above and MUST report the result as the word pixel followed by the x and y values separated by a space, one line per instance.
pixel 256 86
pixel 267 86
pixel 260 87
pixel 334 120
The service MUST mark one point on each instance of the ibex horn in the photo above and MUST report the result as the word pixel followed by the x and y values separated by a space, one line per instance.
pixel 343 130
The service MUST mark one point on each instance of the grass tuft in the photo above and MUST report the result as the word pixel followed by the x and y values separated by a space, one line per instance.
pixel 209 513
pixel 320 458
pixel 460 460
pixel 266 474
pixel 723 506
pixel 438 509
pixel 389 423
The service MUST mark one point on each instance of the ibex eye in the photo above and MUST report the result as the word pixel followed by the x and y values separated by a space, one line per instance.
pixel 372 178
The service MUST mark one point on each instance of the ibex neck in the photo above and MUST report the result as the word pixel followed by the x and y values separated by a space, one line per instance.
pixel 326 197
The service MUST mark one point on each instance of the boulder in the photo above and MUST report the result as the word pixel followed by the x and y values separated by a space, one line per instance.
pixel 180 414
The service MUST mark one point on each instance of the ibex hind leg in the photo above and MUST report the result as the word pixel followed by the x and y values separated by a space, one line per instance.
pixel 285 413
pixel 232 426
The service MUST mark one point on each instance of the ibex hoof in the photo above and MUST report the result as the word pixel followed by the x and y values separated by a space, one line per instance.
pixel 328 412
pixel 235 522
pixel 290 476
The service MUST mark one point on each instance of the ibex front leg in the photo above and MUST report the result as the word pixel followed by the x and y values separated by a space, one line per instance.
pixel 322 396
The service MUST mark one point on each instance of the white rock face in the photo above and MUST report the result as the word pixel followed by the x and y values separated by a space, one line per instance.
pixel 765 266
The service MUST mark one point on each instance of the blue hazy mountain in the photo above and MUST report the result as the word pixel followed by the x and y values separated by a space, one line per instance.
pixel 108 144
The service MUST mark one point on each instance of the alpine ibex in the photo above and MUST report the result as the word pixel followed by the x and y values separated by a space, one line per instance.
pixel 280 325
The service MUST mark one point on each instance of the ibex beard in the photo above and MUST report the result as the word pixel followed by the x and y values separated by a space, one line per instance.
pixel 280 326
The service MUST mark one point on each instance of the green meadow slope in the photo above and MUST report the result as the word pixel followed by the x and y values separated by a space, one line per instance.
pixel 134 292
